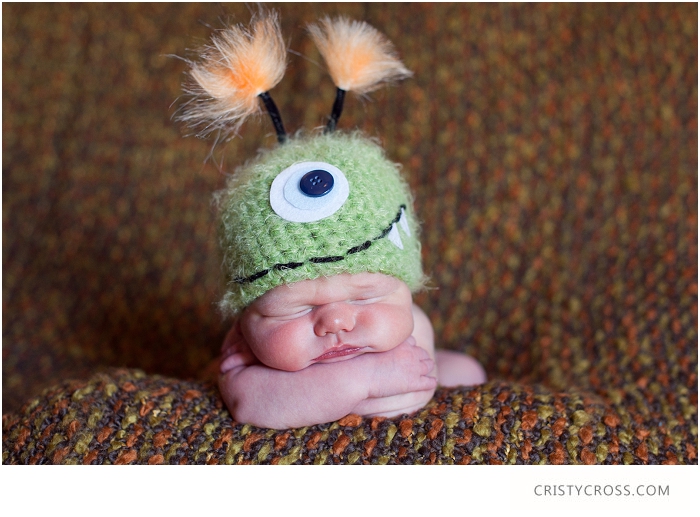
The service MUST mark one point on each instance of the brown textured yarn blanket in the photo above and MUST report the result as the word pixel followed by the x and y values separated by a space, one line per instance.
pixel 552 150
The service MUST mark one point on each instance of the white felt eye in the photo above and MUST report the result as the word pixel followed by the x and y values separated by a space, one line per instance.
pixel 308 191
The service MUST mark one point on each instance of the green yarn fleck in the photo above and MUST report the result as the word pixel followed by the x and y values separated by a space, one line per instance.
pixel 257 243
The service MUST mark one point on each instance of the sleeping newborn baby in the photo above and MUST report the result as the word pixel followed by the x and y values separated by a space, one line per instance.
pixel 321 290
pixel 320 244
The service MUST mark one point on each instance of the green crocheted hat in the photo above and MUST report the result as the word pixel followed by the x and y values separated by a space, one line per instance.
pixel 276 229
pixel 313 206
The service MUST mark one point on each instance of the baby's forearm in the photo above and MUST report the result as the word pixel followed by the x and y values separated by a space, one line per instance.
pixel 265 397
pixel 276 399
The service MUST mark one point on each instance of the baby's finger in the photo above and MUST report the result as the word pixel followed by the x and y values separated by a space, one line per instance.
pixel 426 383
pixel 232 337
pixel 230 362
pixel 427 365
pixel 225 352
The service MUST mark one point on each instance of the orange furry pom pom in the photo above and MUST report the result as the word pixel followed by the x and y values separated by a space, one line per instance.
pixel 359 57
pixel 233 71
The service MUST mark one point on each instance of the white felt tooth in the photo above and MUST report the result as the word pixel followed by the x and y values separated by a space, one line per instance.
pixel 403 221
pixel 394 237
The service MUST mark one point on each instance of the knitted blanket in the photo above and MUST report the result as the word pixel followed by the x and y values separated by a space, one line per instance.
pixel 552 151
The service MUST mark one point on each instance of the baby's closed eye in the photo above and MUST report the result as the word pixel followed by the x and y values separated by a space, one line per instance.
pixel 289 314
pixel 367 300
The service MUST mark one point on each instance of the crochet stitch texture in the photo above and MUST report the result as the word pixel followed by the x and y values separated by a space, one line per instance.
pixel 261 250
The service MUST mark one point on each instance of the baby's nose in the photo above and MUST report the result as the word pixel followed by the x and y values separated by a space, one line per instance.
pixel 333 318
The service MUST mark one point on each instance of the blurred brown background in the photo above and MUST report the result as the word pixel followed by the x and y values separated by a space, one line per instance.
pixel 552 150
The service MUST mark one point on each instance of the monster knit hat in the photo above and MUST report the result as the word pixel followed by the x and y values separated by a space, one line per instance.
pixel 313 206
pixel 274 230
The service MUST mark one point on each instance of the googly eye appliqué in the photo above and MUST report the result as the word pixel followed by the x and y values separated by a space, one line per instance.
pixel 308 191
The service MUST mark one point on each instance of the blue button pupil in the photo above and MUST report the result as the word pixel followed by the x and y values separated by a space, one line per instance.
pixel 316 183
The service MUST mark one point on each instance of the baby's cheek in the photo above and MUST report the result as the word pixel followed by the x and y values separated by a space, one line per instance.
pixel 283 360
pixel 283 349
pixel 389 326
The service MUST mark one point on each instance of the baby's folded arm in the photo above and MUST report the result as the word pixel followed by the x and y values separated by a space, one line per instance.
pixel 267 397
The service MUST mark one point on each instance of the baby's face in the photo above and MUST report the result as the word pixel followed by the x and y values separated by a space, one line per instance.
pixel 328 319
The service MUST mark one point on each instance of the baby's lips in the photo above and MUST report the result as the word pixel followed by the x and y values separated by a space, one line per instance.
pixel 411 341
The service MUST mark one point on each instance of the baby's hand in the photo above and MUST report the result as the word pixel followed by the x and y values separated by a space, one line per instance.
pixel 404 369
pixel 235 352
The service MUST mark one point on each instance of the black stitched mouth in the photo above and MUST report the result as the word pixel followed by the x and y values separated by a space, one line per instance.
pixel 320 260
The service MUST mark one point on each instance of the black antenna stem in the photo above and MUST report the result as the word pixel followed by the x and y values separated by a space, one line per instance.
pixel 337 110
pixel 275 116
